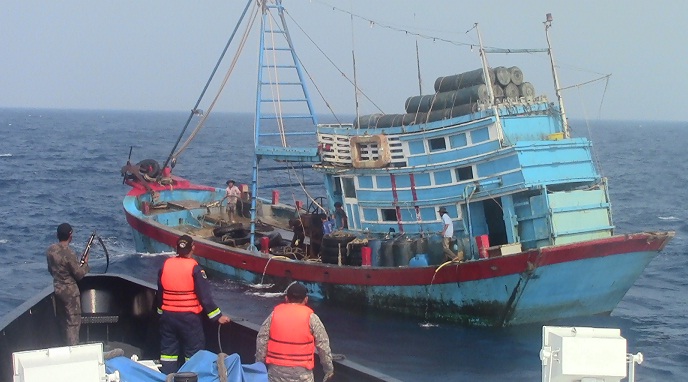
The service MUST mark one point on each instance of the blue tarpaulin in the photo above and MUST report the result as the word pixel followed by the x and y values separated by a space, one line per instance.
pixel 203 363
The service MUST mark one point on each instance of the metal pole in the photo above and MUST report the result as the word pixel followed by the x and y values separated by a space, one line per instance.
pixel 486 68
pixel 557 88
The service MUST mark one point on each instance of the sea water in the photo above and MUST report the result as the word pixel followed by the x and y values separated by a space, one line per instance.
pixel 62 165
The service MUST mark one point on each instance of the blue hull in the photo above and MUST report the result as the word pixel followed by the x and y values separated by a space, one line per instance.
pixel 581 287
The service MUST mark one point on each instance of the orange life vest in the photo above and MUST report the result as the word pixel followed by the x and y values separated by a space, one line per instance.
pixel 178 290
pixel 291 342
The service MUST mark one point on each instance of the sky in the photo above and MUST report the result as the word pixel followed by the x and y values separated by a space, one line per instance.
pixel 157 55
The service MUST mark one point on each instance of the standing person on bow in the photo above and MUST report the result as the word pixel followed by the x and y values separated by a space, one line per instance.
pixel 183 293
pixel 232 195
pixel 447 236
pixel 290 336
pixel 340 219
pixel 66 271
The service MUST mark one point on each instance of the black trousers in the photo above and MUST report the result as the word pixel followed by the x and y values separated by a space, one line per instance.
pixel 179 331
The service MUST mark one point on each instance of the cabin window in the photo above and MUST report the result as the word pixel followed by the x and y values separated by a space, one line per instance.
pixel 349 188
pixel 458 140
pixel 428 214
pixel 437 144
pixel 365 182
pixel 402 181
pixel 416 147
pixel 443 177
pixel 383 181
pixel 337 186
pixel 464 173
pixel 370 214
pixel 480 135
pixel 422 180
pixel 389 215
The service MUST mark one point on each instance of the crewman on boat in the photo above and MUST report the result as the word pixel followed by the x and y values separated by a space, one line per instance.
pixel 340 219
pixel 448 236
pixel 289 338
pixel 183 293
pixel 297 240
pixel 326 224
pixel 232 194
pixel 66 271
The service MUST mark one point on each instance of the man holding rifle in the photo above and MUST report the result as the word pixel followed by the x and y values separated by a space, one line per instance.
pixel 66 270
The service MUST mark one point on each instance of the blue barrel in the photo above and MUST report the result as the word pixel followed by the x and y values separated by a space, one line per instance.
pixel 419 260
pixel 375 245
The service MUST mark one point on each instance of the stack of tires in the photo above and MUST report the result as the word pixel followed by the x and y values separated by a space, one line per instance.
pixel 334 245
pixel 354 257
pixel 232 235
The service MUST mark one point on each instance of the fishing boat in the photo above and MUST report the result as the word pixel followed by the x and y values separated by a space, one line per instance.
pixel 119 321
pixel 529 209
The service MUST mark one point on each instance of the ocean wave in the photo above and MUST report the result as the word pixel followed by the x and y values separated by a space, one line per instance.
pixel 155 254
pixel 261 286
pixel 265 294
pixel 6 155
pixel 669 218
pixel 4 241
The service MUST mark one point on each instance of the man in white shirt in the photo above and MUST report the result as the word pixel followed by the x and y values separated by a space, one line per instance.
pixel 447 236
pixel 232 194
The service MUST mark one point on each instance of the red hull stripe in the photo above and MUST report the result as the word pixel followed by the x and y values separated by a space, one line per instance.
pixel 393 276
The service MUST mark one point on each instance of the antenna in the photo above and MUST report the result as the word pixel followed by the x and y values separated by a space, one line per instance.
pixel 420 81
pixel 486 68
pixel 353 59
pixel 557 88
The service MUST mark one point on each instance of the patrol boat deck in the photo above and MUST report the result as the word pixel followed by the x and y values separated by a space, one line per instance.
pixel 119 312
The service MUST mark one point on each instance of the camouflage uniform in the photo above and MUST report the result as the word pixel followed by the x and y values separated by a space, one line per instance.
pixel 65 269
pixel 278 373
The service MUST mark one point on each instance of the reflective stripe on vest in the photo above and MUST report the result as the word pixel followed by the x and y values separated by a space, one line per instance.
pixel 178 290
pixel 291 342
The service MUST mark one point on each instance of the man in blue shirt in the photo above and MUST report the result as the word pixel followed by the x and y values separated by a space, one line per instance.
pixel 326 225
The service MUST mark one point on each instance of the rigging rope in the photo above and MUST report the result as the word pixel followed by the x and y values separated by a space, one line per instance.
pixel 222 86
pixel 372 23
pixel 212 75
pixel 334 65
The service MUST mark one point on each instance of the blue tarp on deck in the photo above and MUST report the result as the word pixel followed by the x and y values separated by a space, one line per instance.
pixel 203 363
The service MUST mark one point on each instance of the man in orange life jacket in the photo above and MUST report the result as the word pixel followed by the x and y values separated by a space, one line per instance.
pixel 289 337
pixel 183 293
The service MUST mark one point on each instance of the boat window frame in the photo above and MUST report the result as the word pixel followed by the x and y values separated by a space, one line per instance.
pixel 431 147
pixel 391 211
pixel 348 187
pixel 460 173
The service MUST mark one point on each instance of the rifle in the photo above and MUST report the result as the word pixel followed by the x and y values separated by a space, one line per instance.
pixel 84 255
